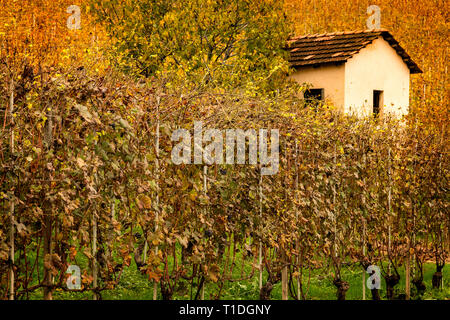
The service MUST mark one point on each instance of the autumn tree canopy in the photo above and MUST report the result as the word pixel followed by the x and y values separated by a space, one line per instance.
pixel 206 40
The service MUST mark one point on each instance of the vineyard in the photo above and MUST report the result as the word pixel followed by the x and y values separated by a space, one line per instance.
pixel 87 178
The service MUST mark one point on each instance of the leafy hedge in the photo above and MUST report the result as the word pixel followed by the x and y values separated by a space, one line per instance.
pixel 90 173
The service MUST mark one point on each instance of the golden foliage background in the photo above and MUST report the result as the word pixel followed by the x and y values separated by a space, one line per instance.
pixel 421 27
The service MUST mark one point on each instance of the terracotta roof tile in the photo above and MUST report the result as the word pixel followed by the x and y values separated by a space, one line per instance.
pixel 338 47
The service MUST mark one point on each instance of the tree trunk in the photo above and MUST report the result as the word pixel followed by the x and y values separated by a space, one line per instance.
pixel 375 294
pixel 437 277
pixel 342 287
pixel 420 286
pixel 265 291
pixel 391 282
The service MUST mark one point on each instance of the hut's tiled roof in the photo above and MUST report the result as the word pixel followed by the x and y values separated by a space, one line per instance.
pixel 338 47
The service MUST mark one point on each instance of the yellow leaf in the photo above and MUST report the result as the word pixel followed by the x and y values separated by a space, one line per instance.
pixel 144 202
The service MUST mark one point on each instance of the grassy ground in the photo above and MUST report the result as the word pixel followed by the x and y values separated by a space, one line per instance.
pixel 133 285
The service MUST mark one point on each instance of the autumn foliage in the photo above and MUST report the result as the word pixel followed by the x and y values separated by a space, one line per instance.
pixel 87 117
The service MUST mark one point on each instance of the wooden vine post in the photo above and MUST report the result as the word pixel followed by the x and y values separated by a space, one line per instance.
pixel 205 190
pixel 408 274
pixel 145 248
pixel 408 255
pixel 334 205
pixel 363 240
pixel 389 208
pixel 447 234
pixel 11 201
pixel 94 248
pixel 48 251
pixel 364 254
pixel 113 217
pixel 284 279
pixel 284 270
pixel 94 216
pixel 260 242
pixel 155 284
pixel 296 216
pixel 94 254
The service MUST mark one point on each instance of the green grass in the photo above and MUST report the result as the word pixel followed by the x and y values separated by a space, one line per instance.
pixel 135 286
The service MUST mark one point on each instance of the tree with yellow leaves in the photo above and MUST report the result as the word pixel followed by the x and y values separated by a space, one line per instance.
pixel 207 41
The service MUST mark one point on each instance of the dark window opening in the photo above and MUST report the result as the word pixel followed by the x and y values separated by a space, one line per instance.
pixel 313 95
pixel 377 102
pixel 314 98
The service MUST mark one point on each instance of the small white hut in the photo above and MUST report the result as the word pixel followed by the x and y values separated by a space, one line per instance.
pixel 361 72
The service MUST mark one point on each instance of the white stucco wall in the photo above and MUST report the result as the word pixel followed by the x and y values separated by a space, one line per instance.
pixel 328 77
pixel 376 67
